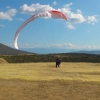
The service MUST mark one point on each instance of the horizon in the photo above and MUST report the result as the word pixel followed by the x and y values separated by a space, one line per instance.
pixel 47 51
pixel 80 32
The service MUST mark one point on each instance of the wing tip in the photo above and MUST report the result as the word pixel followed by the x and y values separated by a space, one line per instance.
pixel 15 44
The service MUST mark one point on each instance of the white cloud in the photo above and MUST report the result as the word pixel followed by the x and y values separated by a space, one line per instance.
pixel 73 46
pixel 68 5
pixel 21 19
pixel 34 8
pixel 79 11
pixel 92 19
pixel 8 14
pixel 54 3
pixel 70 26
pixel 1 25
pixel 74 17
pixel 8 7
pixel 61 46
pixel 67 45
pixel 77 17
pixel 57 45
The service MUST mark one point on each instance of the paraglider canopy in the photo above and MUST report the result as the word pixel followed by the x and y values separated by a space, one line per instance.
pixel 49 14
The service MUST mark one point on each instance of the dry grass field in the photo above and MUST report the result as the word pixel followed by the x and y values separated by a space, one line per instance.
pixel 43 81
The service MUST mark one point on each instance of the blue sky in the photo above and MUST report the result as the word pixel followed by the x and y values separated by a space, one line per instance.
pixel 80 32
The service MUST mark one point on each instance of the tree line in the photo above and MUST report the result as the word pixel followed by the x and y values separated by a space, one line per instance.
pixel 66 57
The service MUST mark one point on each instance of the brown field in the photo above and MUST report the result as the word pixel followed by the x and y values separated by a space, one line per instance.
pixel 3 61
pixel 42 81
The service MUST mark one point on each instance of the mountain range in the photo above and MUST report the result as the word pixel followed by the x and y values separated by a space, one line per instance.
pixel 88 52
pixel 56 50
pixel 6 50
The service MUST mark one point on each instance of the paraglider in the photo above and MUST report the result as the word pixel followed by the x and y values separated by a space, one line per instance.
pixel 49 14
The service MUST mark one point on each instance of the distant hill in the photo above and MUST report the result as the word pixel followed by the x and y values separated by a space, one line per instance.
pixel 88 52
pixel 58 50
pixel 6 50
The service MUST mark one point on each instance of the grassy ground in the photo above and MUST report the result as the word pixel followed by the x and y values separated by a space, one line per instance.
pixel 2 61
pixel 43 81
